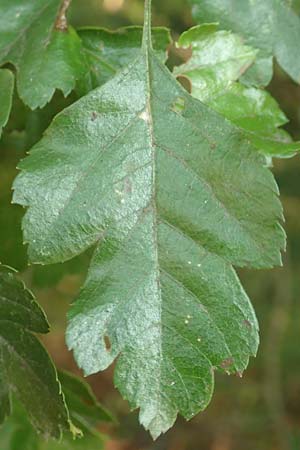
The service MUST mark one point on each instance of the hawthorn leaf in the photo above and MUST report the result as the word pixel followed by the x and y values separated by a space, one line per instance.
pixel 218 60
pixel 173 195
pixel 109 51
pixel 6 94
pixel 46 52
pixel 270 26
pixel 26 369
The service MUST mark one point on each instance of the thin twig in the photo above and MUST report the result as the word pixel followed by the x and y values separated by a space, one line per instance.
pixel 61 22
pixel 147 40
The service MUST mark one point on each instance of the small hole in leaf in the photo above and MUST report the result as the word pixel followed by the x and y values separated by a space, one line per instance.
pixel 247 323
pixel 227 363
pixel 107 343
pixel 94 116
pixel 179 105
pixel 185 83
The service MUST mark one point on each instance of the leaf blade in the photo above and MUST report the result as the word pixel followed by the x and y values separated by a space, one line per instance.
pixel 147 127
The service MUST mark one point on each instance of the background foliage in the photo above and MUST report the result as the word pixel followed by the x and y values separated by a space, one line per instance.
pixel 262 411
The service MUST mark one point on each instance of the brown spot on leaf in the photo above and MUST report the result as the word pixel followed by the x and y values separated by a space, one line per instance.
pixel 185 83
pixel 178 105
pixel 127 186
pixel 107 343
pixel 247 323
pixel 227 363
pixel 94 116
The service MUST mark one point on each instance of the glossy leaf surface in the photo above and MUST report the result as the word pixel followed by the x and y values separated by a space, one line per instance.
pixel 173 195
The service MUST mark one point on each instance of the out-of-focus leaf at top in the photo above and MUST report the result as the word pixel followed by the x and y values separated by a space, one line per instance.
pixel 25 367
pixel 109 51
pixel 218 60
pixel 172 195
pixel 47 53
pixel 268 25
pixel 6 93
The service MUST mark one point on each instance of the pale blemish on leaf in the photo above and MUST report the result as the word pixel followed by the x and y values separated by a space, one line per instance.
pixel 145 116
pixel 178 105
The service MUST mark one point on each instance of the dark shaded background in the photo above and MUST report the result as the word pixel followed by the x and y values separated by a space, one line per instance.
pixel 260 411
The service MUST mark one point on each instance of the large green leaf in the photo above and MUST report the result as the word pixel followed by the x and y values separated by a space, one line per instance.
pixel 218 60
pixel 18 433
pixel 109 51
pixel 173 195
pixel 25 367
pixel 47 53
pixel 269 25
pixel 6 93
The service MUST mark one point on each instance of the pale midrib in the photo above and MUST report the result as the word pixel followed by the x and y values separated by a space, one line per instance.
pixel 154 211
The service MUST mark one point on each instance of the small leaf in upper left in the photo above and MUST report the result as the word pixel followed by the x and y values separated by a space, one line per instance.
pixel 45 50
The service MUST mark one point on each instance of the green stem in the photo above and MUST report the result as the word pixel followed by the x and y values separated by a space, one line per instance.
pixel 147 39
